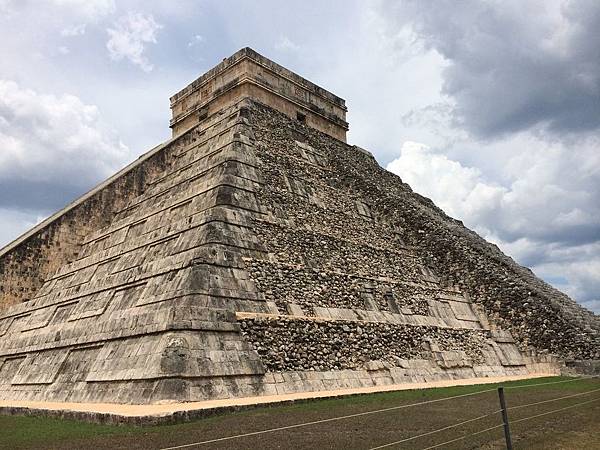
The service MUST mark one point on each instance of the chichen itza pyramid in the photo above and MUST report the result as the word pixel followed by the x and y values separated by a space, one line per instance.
pixel 256 253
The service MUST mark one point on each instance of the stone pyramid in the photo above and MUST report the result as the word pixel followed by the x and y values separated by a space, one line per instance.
pixel 257 253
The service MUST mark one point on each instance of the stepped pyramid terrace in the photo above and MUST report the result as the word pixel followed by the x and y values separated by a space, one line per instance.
pixel 258 253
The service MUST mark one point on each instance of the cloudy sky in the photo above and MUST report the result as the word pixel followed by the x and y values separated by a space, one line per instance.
pixel 490 108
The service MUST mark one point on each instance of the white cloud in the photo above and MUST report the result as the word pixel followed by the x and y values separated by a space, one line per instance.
pixel 6 7
pixel 89 9
pixel 578 277
pixel 460 191
pixel 129 37
pixel 286 45
pixel 197 39
pixel 55 142
pixel 546 215
pixel 75 30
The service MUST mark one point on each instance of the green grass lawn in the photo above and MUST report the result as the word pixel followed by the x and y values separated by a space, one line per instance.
pixel 574 428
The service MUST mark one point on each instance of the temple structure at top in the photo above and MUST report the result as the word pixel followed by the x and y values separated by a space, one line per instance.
pixel 247 74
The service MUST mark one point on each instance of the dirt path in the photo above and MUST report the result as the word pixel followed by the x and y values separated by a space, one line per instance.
pixel 167 409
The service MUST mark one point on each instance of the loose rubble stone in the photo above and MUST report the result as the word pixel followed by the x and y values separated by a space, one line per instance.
pixel 299 345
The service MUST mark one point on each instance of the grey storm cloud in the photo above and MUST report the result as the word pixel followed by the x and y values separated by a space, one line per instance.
pixel 52 148
pixel 513 65
pixel 42 197
pixel 523 80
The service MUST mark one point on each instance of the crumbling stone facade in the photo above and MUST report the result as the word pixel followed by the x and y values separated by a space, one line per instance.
pixel 257 253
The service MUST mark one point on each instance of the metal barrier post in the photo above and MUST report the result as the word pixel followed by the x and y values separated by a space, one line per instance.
pixel 505 419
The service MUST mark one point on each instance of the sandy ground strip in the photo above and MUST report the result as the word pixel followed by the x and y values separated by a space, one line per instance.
pixel 170 408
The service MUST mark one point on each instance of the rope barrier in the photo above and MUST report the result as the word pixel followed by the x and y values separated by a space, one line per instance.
pixel 427 402
pixel 550 382
pixel 332 419
pixel 464 437
pixel 435 431
pixel 552 399
pixel 554 411
pixel 523 419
